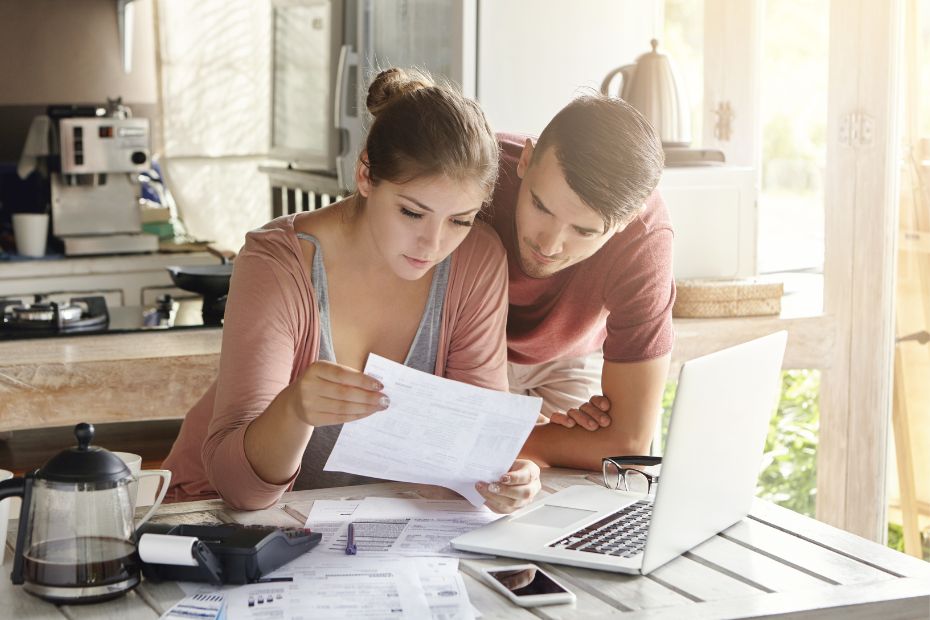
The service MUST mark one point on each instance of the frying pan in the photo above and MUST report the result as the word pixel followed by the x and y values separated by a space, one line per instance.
pixel 211 281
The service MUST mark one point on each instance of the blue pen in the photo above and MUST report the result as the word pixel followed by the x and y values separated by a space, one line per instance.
pixel 350 541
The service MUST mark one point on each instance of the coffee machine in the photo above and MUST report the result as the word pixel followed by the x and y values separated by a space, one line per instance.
pixel 95 194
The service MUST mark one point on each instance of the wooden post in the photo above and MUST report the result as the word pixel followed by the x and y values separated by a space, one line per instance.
pixel 861 223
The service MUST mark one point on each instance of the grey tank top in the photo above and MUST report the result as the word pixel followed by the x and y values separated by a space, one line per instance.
pixel 422 356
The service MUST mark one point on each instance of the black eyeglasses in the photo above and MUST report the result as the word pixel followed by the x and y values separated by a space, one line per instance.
pixel 617 474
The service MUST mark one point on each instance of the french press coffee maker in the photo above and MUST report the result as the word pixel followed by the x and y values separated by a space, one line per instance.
pixel 76 541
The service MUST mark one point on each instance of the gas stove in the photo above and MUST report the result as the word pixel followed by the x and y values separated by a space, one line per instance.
pixel 21 319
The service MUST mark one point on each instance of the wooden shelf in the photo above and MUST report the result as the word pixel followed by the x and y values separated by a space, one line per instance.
pixel 811 333
pixel 810 339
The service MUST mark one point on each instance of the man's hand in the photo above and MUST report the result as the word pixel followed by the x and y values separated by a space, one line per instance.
pixel 514 490
pixel 634 393
pixel 592 415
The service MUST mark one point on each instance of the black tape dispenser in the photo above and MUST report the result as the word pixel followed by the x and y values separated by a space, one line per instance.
pixel 219 554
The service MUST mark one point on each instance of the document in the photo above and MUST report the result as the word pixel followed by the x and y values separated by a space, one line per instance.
pixel 436 431
pixel 203 605
pixel 444 588
pixel 354 587
pixel 395 527
pixel 403 568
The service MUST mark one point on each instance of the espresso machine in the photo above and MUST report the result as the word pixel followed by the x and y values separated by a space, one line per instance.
pixel 95 194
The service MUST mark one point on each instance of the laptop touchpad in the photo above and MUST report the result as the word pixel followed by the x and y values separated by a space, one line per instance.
pixel 554 516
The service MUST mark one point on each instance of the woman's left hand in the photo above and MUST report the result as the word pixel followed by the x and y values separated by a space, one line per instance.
pixel 514 490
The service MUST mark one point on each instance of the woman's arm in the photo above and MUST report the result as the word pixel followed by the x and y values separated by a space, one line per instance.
pixel 261 331
pixel 266 404
pixel 324 394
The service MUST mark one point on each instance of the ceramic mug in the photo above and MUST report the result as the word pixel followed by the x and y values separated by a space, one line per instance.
pixel 134 463
pixel 30 231
pixel 4 514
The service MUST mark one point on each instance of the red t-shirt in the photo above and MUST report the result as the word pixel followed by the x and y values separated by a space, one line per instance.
pixel 619 298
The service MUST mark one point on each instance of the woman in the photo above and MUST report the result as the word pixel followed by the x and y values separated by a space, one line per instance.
pixel 401 269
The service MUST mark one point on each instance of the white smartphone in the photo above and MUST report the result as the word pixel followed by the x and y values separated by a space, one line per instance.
pixel 527 585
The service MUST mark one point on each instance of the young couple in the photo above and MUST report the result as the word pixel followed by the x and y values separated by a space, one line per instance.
pixel 406 268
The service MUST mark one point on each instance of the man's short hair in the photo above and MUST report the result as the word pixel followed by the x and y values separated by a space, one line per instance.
pixel 609 153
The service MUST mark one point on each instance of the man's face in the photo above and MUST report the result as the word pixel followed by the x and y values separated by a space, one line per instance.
pixel 555 229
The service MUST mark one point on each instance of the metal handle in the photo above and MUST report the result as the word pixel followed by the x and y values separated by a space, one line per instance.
pixel 346 123
pixel 346 56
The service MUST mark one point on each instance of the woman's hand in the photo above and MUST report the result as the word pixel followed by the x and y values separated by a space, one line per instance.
pixel 592 415
pixel 328 393
pixel 514 490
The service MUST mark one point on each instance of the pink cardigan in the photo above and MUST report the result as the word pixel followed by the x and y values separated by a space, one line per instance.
pixel 271 333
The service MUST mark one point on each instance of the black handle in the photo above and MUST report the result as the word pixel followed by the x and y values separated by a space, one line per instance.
pixel 209 563
pixel 18 487
pixel 14 487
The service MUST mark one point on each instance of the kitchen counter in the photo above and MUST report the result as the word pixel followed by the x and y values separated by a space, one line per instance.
pixel 105 378
pixel 160 375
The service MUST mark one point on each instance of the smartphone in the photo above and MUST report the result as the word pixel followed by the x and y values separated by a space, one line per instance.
pixel 527 585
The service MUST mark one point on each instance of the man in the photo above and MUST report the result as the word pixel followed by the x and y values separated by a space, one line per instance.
pixel 589 246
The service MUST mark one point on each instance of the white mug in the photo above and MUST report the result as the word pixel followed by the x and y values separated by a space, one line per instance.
pixel 4 514
pixel 30 231
pixel 134 463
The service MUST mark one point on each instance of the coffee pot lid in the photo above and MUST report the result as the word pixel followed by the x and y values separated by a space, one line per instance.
pixel 85 463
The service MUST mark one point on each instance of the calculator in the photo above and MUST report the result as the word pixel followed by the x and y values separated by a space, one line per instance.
pixel 230 553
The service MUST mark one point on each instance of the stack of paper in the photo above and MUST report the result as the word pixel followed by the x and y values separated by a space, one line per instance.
pixel 342 587
pixel 437 432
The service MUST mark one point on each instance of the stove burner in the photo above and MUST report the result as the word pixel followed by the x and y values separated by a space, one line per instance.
pixel 46 312
pixel 80 314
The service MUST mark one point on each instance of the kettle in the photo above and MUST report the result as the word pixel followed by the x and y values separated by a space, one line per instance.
pixel 76 540
pixel 650 87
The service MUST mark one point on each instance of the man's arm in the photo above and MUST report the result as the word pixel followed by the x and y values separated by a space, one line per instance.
pixel 635 392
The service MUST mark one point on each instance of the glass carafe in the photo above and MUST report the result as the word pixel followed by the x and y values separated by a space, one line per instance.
pixel 76 542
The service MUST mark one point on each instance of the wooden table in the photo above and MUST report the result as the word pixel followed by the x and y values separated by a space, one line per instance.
pixel 774 564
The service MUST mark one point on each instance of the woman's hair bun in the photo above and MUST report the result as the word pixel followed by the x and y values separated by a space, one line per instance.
pixel 391 84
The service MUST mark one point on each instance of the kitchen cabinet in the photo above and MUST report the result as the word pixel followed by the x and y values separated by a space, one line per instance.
pixel 714 215
pixel 122 280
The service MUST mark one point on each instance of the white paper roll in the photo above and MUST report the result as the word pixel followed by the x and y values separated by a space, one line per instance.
pixel 165 549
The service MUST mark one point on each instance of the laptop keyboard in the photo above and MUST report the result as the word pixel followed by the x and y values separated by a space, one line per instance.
pixel 622 533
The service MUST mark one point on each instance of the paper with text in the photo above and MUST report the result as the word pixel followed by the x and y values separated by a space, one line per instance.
pixel 436 431
pixel 394 527
pixel 355 587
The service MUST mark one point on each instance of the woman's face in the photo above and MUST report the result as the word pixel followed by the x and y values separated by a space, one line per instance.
pixel 419 223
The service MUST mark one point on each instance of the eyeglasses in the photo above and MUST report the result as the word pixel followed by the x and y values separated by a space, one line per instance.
pixel 618 476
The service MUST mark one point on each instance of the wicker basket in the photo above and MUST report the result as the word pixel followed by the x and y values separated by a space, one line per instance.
pixel 727 298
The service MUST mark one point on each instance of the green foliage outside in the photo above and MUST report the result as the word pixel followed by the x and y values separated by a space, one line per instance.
pixel 789 473
pixel 896 539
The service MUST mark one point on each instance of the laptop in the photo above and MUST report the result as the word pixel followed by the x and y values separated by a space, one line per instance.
pixel 712 457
